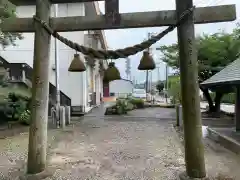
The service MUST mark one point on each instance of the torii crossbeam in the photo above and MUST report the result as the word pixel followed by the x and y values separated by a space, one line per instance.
pixel 194 154
pixel 33 2
pixel 202 15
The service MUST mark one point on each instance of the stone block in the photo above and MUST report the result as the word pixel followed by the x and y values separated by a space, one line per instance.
pixel 68 115
pixel 62 117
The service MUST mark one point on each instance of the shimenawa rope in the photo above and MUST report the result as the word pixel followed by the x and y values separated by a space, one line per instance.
pixel 113 54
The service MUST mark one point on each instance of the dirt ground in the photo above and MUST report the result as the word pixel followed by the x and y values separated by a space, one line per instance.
pixel 114 148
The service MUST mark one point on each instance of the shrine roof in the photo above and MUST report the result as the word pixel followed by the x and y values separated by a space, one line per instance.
pixel 230 75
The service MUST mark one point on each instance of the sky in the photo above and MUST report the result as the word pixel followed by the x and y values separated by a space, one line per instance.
pixel 127 37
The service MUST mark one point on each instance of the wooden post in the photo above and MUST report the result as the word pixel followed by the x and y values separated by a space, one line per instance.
pixel 237 108
pixel 177 115
pixel 112 12
pixel 39 119
pixel 194 149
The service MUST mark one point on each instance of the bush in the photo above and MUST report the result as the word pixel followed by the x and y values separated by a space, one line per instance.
pixel 3 116
pixel 16 104
pixel 121 106
pixel 138 103
pixel 130 106
pixel 13 97
pixel 13 106
pixel 13 110
pixel 175 92
pixel 227 98
pixel 25 117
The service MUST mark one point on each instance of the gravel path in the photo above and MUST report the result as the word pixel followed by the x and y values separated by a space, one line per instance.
pixel 95 148
pixel 98 148
pixel 119 150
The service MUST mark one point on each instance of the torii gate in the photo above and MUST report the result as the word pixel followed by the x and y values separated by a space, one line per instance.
pixel 194 151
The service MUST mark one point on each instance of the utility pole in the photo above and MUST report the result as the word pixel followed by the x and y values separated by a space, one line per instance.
pixel 166 83
pixel 146 87
pixel 158 71
pixel 194 149
pixel 150 87
pixel 57 74
pixel 146 81
pixel 150 81
pixel 147 72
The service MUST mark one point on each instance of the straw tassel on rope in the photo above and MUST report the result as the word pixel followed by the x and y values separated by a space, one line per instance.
pixel 147 62
pixel 111 73
pixel 77 64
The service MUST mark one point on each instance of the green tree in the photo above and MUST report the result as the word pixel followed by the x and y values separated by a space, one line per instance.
pixel 8 10
pixel 160 86
pixel 214 53
pixel 174 89
pixel 175 92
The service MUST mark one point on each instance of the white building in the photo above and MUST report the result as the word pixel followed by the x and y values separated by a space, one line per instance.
pixel 121 88
pixel 85 88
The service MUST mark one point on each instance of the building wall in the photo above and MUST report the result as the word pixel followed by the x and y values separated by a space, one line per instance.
pixel 94 79
pixel 121 88
pixel 72 84
pixel 98 80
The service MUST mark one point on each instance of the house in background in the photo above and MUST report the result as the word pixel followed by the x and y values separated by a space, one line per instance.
pixel 18 77
pixel 83 89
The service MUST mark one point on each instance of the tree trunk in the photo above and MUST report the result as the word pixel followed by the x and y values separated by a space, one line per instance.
pixel 213 107
pixel 217 102
pixel 208 98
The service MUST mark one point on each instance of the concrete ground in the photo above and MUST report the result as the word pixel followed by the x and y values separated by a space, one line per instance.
pixel 142 146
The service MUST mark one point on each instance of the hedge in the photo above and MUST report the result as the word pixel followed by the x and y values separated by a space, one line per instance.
pixel 227 98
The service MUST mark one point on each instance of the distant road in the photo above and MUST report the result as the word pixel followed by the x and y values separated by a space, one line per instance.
pixel 161 99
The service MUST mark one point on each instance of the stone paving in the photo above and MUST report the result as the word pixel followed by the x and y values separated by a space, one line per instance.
pixel 99 148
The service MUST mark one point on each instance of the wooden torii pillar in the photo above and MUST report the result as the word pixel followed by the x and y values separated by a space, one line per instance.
pixel 194 153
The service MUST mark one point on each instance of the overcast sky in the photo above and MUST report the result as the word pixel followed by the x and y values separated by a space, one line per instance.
pixel 128 37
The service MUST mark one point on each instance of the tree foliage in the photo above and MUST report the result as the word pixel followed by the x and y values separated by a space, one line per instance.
pixel 214 52
pixel 7 38
pixel 174 89
pixel 160 86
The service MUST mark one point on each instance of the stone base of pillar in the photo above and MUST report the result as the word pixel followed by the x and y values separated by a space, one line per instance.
pixel 184 176
pixel 42 175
